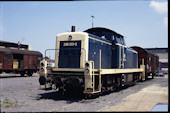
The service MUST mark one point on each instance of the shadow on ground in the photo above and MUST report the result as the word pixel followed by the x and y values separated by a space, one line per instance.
pixel 56 95
pixel 72 97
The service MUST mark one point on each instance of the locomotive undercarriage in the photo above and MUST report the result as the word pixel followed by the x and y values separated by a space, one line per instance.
pixel 69 84
pixel 65 83
pixel 116 82
pixel 74 84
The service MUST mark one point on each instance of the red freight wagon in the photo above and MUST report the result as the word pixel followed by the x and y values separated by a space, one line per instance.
pixel 155 63
pixel 19 61
pixel 151 61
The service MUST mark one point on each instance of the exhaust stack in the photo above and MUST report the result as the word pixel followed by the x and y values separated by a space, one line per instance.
pixel 72 28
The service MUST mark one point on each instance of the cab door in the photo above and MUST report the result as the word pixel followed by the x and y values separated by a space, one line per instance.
pixel 122 56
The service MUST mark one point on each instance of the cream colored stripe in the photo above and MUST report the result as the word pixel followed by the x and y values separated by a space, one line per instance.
pixel 121 45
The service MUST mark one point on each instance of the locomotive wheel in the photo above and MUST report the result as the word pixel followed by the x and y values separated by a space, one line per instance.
pixel 118 84
pixel 42 80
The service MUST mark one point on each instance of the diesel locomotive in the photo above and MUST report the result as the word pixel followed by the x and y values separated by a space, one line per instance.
pixel 93 61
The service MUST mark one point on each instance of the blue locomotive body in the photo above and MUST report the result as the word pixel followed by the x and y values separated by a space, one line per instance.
pixel 131 58
pixel 115 54
pixel 100 44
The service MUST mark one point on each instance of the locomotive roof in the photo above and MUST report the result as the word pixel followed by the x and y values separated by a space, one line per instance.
pixel 100 31
pixel 99 37
pixel 18 51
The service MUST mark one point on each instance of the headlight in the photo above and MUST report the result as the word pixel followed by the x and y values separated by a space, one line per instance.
pixel 86 71
pixel 42 64
pixel 87 64
pixel 42 69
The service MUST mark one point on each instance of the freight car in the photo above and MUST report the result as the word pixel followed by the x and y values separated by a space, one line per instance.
pixel 93 61
pixel 19 61
pixel 151 61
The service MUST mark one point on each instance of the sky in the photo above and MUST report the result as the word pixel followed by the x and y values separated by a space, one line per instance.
pixel 144 23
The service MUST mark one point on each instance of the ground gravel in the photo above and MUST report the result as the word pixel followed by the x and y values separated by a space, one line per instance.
pixel 23 94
